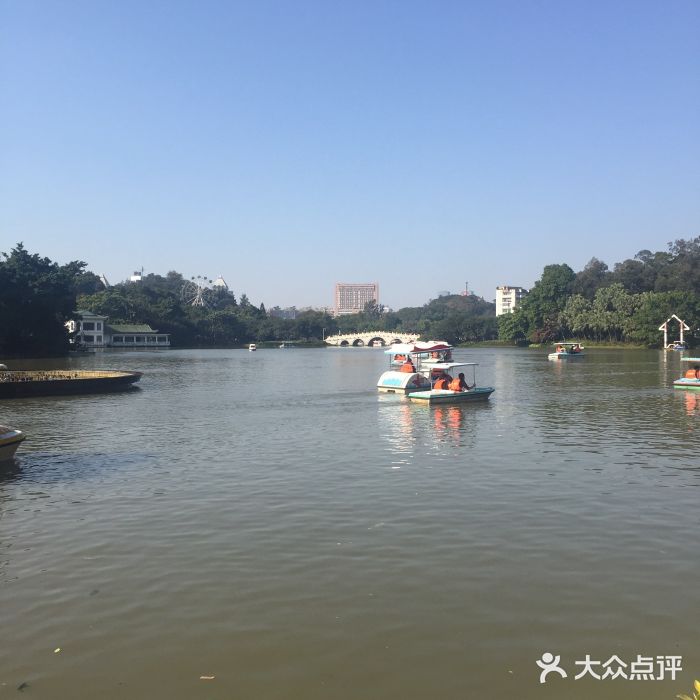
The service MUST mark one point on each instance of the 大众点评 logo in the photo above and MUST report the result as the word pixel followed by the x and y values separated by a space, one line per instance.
pixel 643 668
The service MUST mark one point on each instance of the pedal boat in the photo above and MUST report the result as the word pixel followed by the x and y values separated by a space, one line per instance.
pixel 423 356
pixel 691 377
pixel 10 439
pixel 566 351
pixel 447 396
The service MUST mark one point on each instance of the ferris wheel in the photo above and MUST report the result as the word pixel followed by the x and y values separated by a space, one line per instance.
pixel 197 291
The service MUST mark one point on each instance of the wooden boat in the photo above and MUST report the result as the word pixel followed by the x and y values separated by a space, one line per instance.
pixel 566 351
pixel 21 383
pixel 10 439
pixel 447 396
pixel 691 377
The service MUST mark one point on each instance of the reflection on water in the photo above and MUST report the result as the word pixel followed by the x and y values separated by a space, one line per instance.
pixel 270 520
pixel 692 404
pixel 409 427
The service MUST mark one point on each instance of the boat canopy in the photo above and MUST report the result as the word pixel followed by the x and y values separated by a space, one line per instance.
pixel 690 359
pixel 414 348
pixel 449 366
pixel 572 344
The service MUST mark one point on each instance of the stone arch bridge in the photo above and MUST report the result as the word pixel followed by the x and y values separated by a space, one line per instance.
pixel 371 339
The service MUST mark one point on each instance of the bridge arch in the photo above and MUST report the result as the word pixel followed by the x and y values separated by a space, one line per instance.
pixel 371 339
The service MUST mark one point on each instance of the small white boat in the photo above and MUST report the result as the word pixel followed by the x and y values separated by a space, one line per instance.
pixel 409 367
pixel 566 351
pixel 252 347
pixel 691 377
pixel 10 439
pixel 678 345
pixel 444 372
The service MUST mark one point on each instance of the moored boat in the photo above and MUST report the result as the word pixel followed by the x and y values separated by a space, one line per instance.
pixel 252 347
pixel 444 372
pixel 566 351
pixel 21 383
pixel 691 377
pixel 10 439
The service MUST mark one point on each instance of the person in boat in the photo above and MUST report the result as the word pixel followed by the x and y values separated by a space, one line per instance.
pixel 576 348
pixel 559 348
pixel 408 366
pixel 459 383
pixel 442 382
pixel 693 373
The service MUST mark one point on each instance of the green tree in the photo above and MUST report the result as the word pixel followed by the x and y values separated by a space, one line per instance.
pixel 593 276
pixel 612 310
pixel 37 297
pixel 543 305
pixel 513 326
pixel 577 315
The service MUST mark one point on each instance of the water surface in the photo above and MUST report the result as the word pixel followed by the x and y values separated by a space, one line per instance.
pixel 270 520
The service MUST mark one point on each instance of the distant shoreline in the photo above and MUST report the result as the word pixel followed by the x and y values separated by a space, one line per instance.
pixel 600 345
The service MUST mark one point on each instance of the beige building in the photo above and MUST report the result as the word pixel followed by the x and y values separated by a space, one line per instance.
pixel 351 298
pixel 508 298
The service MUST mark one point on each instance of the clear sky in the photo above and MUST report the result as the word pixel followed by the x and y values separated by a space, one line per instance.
pixel 290 145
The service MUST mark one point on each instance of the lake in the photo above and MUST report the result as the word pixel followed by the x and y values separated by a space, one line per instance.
pixel 269 520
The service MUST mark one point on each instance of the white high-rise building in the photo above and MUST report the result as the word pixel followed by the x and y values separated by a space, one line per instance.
pixel 508 298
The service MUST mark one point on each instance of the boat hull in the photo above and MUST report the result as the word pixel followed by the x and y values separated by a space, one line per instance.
pixel 443 396
pixel 393 382
pixel 564 355
pixel 684 383
pixel 20 384
pixel 10 439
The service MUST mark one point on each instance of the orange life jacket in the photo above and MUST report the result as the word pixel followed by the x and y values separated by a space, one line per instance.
pixel 408 367
pixel 456 384
pixel 441 383
pixel 691 374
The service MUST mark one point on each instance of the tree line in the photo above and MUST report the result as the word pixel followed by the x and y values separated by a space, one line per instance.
pixel 37 297
pixel 625 304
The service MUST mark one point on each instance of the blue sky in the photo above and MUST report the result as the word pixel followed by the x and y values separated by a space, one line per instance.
pixel 291 145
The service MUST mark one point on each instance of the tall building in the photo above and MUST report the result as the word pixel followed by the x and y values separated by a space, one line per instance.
pixel 351 298
pixel 508 298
